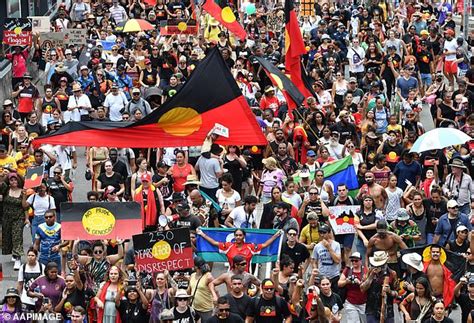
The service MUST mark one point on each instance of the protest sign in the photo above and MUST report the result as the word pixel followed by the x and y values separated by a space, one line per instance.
pixel 221 130
pixel 52 40
pixel 41 24
pixel 76 37
pixel 96 221
pixel 160 250
pixel 17 32
pixel 34 177
pixel 179 26
pixel 343 218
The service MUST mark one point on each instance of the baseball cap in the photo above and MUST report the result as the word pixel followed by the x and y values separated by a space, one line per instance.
pixel 135 90
pixel 449 32
pixel 451 204
pixel 352 80
pixel 311 153
pixel 145 177
pixel 147 61
pixel 67 51
pixel 461 228
pixel 324 228
pixel 84 67
pixel 356 255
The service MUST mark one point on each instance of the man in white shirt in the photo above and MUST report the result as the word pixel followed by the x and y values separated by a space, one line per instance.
pixel 449 48
pixel 243 216
pixel 78 105
pixel 115 102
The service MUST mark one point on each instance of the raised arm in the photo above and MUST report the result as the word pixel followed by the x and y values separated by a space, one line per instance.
pixel 207 238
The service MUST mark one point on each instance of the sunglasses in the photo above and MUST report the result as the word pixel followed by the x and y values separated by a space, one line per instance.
pixel 292 234
pixel 98 252
pixel 313 193
pixel 224 310
pixel 269 289
pixel 57 173
pixel 49 217
pixel 181 299
pixel 455 207
pixel 355 260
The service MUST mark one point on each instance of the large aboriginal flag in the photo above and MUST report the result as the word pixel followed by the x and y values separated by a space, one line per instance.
pixel 294 47
pixel 453 265
pixel 210 96
pixel 292 95
pixel 96 221
pixel 226 17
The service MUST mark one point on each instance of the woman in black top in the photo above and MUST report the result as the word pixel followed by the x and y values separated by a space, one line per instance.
pixel 110 178
pixel 366 227
pixel 132 309
pixel 268 215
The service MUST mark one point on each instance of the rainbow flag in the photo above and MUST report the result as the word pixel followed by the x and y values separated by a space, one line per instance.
pixel 210 253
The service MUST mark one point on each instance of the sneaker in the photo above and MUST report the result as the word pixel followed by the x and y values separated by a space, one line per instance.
pixel 17 264
pixel 13 258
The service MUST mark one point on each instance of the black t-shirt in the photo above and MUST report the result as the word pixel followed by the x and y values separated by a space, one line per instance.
pixel 233 318
pixel 433 211
pixel 58 191
pixel 447 112
pixel 392 159
pixel 268 311
pixel 133 313
pixel 239 306
pixel 76 298
pixel 426 162
pixel 467 305
pixel 424 59
pixel 454 247
pixel 313 207
pixel 346 131
pixel 187 317
pixel 192 222
pixel 395 59
pixel 115 180
pixel 165 190
pixel 333 302
pixel 299 253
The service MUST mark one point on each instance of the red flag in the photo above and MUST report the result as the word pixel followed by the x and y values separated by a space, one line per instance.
pixel 226 17
pixel 294 47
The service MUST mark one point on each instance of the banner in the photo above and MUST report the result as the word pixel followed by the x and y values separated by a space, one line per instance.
pixel 210 253
pixel 160 250
pixel 40 24
pixel 100 220
pixel 179 26
pixel 17 32
pixel 76 37
pixel 343 217
pixel 52 40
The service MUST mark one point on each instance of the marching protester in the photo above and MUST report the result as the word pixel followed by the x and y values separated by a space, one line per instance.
pixel 315 159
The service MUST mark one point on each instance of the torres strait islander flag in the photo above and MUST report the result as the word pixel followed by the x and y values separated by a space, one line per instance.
pixel 226 17
pixel 100 220
pixel 342 172
pixel 210 96
pixel 211 253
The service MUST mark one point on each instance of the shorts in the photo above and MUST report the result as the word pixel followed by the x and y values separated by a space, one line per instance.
pixel 426 79
pixel 346 240
pixel 450 67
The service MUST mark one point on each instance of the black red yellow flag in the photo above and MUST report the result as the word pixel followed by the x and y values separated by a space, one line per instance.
pixel 281 81
pixel 100 220
pixel 294 47
pixel 226 17
pixel 210 96
pixel 34 177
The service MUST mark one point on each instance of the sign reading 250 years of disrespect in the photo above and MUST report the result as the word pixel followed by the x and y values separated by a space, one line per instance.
pixel 157 251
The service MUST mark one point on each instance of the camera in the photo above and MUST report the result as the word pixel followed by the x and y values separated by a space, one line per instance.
pixel 132 277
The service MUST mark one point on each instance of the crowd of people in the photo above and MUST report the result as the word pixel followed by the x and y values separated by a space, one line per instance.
pixel 373 68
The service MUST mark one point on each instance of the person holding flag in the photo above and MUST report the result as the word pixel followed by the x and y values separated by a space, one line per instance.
pixel 239 246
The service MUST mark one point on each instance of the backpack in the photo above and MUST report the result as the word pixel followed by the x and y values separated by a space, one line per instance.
pixel 33 202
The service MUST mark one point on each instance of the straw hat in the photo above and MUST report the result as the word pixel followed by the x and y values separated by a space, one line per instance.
pixel 457 163
pixel 379 258
pixel 181 293
pixel 192 180
pixel 60 68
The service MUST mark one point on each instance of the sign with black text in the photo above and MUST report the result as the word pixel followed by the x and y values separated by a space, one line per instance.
pixel 17 32
pixel 160 250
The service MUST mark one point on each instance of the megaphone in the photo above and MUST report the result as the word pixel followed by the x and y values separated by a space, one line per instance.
pixel 163 220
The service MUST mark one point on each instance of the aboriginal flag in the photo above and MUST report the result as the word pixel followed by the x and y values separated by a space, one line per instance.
pixel 294 48
pixel 34 177
pixel 452 263
pixel 210 96
pixel 226 17
pixel 292 95
pixel 96 221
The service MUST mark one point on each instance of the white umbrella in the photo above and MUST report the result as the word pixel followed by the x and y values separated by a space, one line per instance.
pixel 439 138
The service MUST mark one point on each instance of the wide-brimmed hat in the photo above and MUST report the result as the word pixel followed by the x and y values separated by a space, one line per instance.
pixel 11 292
pixel 76 87
pixel 270 163
pixel 27 76
pixel 379 258
pixel 402 215
pixel 456 162
pixel 269 89
pixel 371 135
pixel 192 180
pixel 451 204
pixel 60 68
pixel 413 260
pixel 181 293
pixel 7 102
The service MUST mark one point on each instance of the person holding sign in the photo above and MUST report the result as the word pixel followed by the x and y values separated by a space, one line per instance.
pixel 239 246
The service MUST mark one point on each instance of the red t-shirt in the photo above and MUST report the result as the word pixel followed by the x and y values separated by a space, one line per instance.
pixel 179 176
pixel 270 103
pixel 354 294
pixel 247 251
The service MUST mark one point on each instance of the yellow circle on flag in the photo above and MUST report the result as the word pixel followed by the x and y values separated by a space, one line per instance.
pixel 345 219
pixel 254 149
pixel 180 121
pixel 98 221
pixel 227 15
pixel 278 81
pixel 34 176
pixel 392 155
pixel 182 26
pixel 161 250
pixel 17 30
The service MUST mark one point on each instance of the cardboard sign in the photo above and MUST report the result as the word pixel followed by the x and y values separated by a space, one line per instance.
pixel 17 32
pixel 52 40
pixel 76 37
pixel 180 26
pixel 160 250
pixel 343 218
pixel 221 130
pixel 40 24
pixel 100 220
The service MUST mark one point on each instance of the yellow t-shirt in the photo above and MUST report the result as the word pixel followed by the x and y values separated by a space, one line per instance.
pixel 395 127
pixel 310 234
pixel 203 296
pixel 8 162
pixel 21 169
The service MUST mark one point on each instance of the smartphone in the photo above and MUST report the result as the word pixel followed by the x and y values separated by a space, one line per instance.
pixel 46 300
pixel 69 256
